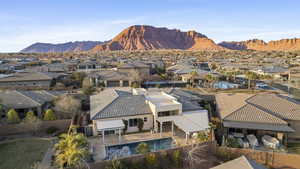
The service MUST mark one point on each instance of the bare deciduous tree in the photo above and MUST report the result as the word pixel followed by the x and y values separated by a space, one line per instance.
pixel 197 156
pixel 68 105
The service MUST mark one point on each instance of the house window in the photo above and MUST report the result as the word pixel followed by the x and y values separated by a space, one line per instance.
pixel 145 119
pixel 133 122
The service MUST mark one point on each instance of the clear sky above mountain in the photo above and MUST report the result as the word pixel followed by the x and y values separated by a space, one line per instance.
pixel 59 21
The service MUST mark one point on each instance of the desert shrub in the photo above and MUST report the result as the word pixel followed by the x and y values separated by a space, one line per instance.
pixel 232 142
pixel 164 159
pixel 51 130
pixel 49 115
pixel 176 158
pixel 202 137
pixel 13 116
pixel 115 164
pixel 30 116
pixel 142 148
pixel 33 123
pixel 151 160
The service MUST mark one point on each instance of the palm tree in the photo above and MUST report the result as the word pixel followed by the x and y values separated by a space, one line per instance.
pixel 210 78
pixel 72 156
pixel 71 150
pixel 251 76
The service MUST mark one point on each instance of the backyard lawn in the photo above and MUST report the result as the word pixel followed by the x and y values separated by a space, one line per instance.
pixel 294 148
pixel 22 153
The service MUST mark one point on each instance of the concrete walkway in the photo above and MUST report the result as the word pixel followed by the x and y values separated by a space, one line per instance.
pixel 46 162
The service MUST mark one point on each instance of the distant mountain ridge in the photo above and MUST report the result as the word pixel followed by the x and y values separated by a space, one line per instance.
pixel 256 44
pixel 143 37
pixel 62 47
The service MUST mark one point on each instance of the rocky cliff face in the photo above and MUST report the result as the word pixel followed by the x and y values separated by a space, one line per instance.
pixel 255 44
pixel 142 37
pixel 63 47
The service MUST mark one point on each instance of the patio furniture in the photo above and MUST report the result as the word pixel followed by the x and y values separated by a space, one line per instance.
pixel 252 140
pixel 270 142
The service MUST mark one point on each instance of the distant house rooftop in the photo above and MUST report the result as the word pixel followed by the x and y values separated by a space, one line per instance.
pixel 240 163
pixel 264 111
pixel 27 76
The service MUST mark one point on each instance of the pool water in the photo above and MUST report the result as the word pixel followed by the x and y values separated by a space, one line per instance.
pixel 123 150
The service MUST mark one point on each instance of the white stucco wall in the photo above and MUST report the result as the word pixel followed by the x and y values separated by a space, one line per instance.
pixel 147 125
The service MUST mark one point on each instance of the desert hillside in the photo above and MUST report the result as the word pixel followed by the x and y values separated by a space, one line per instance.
pixel 256 44
pixel 141 37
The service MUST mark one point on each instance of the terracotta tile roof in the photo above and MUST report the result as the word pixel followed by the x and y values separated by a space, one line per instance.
pixel 240 163
pixel 113 103
pixel 277 105
pixel 228 103
pixel 250 113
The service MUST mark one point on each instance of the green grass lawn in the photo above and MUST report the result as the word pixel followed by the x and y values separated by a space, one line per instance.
pixel 22 153
pixel 294 148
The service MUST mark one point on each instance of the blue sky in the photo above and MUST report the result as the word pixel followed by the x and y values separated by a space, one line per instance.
pixel 59 21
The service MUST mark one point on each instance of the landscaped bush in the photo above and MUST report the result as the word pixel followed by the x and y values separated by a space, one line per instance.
pixel 232 142
pixel 49 115
pixel 142 148
pixel 12 116
pixel 30 116
pixel 115 164
pixel 176 158
pixel 152 160
pixel 202 137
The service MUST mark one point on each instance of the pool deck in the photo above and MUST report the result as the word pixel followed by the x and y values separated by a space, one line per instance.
pixel 99 148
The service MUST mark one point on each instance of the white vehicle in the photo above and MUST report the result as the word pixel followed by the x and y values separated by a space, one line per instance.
pixel 270 142
pixel 252 140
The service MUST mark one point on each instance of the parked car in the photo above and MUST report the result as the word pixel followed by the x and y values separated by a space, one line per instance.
pixel 252 140
pixel 270 142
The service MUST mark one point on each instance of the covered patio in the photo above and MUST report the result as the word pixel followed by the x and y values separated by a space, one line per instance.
pixel 188 122
pixel 110 125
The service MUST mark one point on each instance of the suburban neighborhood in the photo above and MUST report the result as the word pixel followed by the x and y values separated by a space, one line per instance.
pixel 135 107
pixel 166 84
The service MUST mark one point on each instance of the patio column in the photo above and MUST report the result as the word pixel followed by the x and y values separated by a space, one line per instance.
pixel 172 128
pixel 186 137
pixel 103 136
pixel 161 129
pixel 119 135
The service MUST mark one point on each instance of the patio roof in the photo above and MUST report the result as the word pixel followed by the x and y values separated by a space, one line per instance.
pixel 109 125
pixel 258 126
pixel 189 122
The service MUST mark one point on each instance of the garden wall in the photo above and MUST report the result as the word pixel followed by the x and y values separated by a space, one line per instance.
pixel 272 159
pixel 165 159
pixel 15 129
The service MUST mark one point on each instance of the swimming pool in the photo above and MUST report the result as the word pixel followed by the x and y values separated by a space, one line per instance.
pixel 123 150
